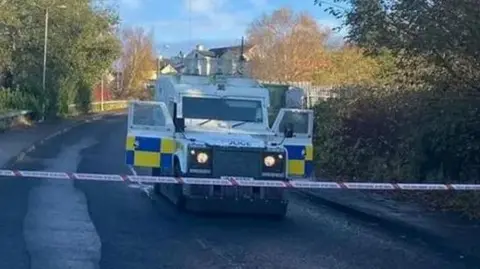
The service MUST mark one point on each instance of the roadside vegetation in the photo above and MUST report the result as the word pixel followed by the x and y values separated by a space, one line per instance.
pixel 407 83
pixel 82 44
pixel 137 64
pixel 85 43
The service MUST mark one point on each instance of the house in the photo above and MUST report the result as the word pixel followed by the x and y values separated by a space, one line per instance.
pixel 200 61
pixel 168 69
pixel 225 60
pixel 164 66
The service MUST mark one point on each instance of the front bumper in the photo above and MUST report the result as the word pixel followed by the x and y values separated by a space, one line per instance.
pixel 274 207
pixel 234 192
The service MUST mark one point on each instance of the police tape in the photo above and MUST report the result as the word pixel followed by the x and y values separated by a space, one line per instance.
pixel 239 181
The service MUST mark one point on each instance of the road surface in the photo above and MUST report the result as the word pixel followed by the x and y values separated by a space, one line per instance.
pixel 52 224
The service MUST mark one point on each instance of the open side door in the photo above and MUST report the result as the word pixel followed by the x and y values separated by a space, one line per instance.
pixel 150 142
pixel 299 147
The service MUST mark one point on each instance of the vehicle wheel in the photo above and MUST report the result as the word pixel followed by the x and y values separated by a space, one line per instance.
pixel 177 189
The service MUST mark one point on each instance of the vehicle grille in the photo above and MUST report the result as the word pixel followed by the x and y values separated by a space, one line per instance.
pixel 241 162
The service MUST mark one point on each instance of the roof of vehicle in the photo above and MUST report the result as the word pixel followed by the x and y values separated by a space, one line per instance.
pixel 203 85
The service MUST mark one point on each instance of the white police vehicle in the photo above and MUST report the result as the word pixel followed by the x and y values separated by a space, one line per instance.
pixel 216 128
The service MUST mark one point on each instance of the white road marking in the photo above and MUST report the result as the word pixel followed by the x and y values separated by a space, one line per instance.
pixel 58 230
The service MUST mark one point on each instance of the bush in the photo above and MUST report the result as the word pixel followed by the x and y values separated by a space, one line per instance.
pixel 83 99
pixel 16 99
pixel 389 135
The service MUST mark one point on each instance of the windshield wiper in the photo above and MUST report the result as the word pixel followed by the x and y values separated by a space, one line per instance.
pixel 204 122
pixel 238 124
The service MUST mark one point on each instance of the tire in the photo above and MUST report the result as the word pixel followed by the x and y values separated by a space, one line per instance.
pixel 178 188
pixel 172 192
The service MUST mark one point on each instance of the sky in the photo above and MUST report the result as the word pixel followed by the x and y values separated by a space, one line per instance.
pixel 212 23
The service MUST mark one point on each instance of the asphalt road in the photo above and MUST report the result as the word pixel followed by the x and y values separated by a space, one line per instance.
pixel 62 224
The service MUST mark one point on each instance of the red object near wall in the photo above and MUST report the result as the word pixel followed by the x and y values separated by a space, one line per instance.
pixel 97 93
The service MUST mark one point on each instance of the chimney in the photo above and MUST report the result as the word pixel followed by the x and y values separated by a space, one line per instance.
pixel 200 47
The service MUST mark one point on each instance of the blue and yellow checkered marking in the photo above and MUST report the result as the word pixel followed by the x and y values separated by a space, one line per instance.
pixel 300 160
pixel 152 152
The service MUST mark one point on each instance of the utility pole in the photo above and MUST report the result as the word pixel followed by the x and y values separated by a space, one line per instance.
pixel 44 76
pixel 101 93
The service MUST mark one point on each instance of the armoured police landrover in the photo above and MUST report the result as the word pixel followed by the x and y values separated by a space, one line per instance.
pixel 216 128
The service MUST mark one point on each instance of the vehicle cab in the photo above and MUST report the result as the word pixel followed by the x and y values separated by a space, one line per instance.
pixel 217 127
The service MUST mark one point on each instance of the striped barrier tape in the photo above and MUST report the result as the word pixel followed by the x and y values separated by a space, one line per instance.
pixel 237 181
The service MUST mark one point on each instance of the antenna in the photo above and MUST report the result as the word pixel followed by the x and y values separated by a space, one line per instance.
pixel 190 22
pixel 187 65
pixel 241 60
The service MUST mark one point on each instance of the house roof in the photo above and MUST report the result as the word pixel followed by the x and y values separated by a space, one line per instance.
pixel 206 53
pixel 164 62
pixel 172 66
pixel 218 52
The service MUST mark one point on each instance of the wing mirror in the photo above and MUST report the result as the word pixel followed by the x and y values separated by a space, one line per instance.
pixel 288 130
pixel 179 125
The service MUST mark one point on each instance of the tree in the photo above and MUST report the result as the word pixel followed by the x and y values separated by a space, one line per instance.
pixel 438 38
pixel 349 66
pixel 288 46
pixel 137 63
pixel 82 44
pixel 421 127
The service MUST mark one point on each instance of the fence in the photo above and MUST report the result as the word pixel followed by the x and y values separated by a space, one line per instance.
pixel 311 93
pixel 102 106
pixel 15 118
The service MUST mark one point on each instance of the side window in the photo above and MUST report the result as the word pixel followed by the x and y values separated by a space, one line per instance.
pixel 148 115
pixel 298 120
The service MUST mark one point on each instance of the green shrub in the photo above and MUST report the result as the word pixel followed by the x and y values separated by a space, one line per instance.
pixel 385 135
pixel 83 99
pixel 16 99
pixel 399 136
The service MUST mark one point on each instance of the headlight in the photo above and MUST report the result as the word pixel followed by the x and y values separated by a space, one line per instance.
pixel 202 157
pixel 269 161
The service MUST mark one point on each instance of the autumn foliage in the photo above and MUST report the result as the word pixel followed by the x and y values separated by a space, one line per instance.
pixel 292 47
pixel 407 90
pixel 418 119
pixel 137 63
pixel 288 46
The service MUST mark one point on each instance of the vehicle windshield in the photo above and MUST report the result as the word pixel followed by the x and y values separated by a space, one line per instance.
pixel 222 109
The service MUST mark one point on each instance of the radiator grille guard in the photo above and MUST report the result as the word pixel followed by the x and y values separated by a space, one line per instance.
pixel 239 162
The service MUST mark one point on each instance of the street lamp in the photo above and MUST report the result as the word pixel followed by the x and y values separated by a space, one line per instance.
pixel 45 44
